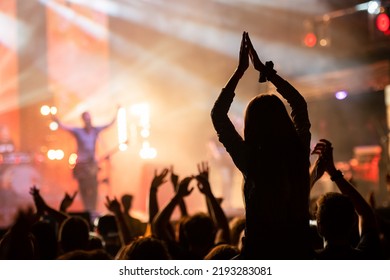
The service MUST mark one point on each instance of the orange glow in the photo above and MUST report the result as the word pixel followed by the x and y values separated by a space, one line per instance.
pixel 75 57
pixel 9 107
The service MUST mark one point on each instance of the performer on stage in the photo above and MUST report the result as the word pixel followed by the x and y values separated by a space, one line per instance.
pixel 86 168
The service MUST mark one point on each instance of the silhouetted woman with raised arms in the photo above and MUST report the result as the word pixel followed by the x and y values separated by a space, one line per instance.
pixel 274 160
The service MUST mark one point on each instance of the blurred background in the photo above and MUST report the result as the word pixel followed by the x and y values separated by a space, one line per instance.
pixel 164 62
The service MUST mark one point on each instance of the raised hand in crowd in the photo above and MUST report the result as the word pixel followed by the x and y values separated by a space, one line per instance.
pixel 67 201
pixel 158 180
pixel 243 64
pixel 183 189
pixel 161 224
pixel 266 71
pixel 174 178
pixel 214 208
pixel 175 181
pixel 44 209
pixel 114 206
pixel 317 171
pixel 40 204
pixel 325 151
pixel 336 215
pixel 136 227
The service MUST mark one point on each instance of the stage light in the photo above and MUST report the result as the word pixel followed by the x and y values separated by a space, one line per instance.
pixel 310 40
pixel 382 22
pixel 147 152
pixel 122 126
pixel 53 126
pixel 145 132
pixel 340 95
pixel 373 7
pixel 51 154
pixel 133 134
pixel 140 109
pixel 123 147
pixel 55 154
pixel 323 42
pixel 59 154
pixel 72 159
pixel 45 110
pixel 53 110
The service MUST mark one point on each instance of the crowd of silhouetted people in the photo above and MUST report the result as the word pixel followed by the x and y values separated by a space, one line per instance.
pixel 273 156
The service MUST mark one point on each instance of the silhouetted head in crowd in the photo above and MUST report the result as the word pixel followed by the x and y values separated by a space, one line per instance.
pixel 21 247
pixel 18 243
pixel 106 226
pixel 145 248
pixel 46 239
pixel 74 234
pixel 222 252
pixel 95 241
pixel 267 119
pixel 97 254
pixel 336 218
pixel 107 229
pixel 199 231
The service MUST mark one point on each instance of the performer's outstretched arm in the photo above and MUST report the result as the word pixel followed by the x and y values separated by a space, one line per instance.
pixel 60 124
pixel 113 120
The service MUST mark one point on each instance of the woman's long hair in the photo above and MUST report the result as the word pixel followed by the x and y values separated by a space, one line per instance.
pixel 267 122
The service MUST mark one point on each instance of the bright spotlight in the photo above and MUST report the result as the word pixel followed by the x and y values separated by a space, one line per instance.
pixel 59 154
pixel 140 109
pixel 123 147
pixel 147 152
pixel 51 154
pixel 145 133
pixel 55 154
pixel 72 159
pixel 45 110
pixel 340 95
pixel 53 126
pixel 373 7
pixel 53 110
pixel 122 125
